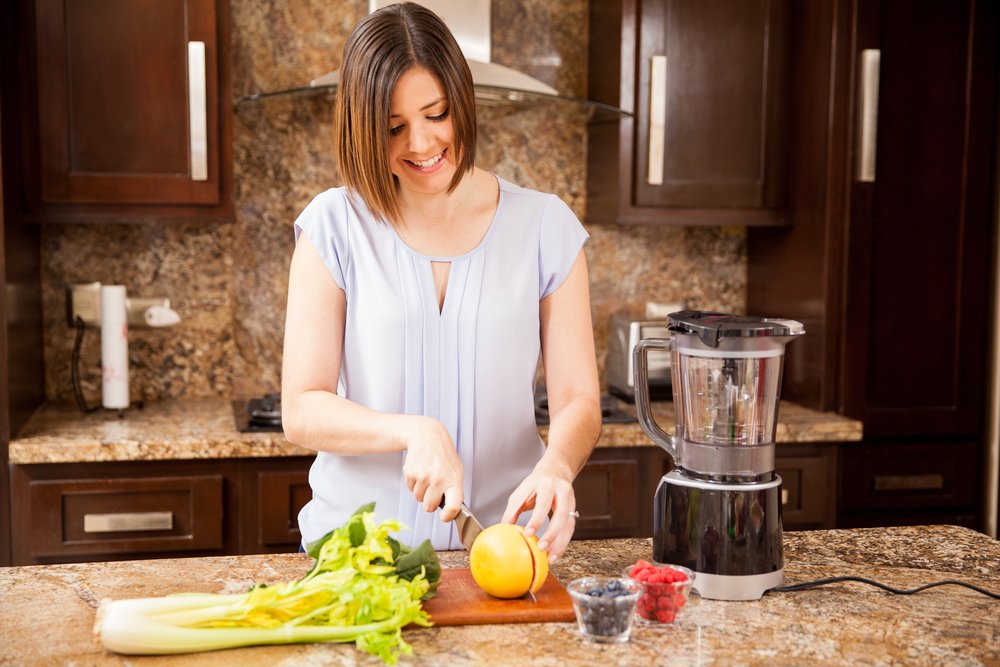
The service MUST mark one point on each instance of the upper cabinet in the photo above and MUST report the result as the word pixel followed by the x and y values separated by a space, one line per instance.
pixel 707 84
pixel 131 110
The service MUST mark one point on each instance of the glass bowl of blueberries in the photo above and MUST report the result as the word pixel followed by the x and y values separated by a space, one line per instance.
pixel 605 607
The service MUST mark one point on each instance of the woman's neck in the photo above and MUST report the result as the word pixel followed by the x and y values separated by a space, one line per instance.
pixel 449 223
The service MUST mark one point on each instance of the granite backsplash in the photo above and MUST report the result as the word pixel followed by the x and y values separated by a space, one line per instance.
pixel 228 281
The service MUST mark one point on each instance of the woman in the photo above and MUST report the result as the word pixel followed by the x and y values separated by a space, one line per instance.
pixel 420 297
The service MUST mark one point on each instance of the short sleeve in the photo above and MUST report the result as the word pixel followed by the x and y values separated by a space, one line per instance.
pixel 324 222
pixel 559 241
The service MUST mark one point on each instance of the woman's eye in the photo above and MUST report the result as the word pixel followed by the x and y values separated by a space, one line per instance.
pixel 393 131
pixel 440 117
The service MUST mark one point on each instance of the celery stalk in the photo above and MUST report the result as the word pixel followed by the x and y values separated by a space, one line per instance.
pixel 354 593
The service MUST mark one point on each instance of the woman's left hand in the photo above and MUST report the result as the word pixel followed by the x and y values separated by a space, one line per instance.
pixel 550 495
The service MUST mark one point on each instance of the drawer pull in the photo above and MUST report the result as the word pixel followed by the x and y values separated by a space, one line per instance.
pixel 784 497
pixel 934 482
pixel 127 522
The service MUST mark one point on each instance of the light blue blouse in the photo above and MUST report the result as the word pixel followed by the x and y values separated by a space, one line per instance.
pixel 471 365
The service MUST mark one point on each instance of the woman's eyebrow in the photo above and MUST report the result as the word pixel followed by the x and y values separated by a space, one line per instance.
pixel 423 108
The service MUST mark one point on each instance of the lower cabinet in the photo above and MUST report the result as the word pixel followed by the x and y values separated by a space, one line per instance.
pixel 274 490
pixel 614 492
pixel 910 483
pixel 120 511
pixel 808 485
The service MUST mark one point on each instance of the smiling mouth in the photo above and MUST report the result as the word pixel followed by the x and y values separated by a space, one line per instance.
pixel 429 162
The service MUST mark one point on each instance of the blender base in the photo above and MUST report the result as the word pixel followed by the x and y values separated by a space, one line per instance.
pixel 743 587
pixel 728 534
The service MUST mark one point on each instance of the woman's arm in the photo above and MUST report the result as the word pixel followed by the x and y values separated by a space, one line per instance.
pixel 573 389
pixel 314 416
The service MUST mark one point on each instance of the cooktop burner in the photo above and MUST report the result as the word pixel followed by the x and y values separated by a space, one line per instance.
pixel 263 415
pixel 258 415
pixel 613 410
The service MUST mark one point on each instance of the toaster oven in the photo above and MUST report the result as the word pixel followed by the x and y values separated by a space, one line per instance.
pixel 625 333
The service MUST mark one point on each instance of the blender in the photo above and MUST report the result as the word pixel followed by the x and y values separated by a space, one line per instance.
pixel 718 512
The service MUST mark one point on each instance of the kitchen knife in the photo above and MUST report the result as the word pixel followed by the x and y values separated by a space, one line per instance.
pixel 467 525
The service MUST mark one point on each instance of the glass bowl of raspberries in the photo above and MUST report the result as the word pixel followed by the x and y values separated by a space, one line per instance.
pixel 665 590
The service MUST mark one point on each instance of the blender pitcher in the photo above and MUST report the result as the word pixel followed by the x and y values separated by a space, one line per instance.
pixel 719 512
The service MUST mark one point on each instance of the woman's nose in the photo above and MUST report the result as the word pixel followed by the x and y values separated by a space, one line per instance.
pixel 420 138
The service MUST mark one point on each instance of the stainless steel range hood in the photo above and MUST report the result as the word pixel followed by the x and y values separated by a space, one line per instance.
pixel 495 84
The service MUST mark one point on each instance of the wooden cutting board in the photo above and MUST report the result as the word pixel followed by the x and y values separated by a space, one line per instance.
pixel 460 601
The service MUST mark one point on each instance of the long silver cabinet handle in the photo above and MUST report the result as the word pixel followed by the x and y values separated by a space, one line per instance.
pixel 657 119
pixel 197 111
pixel 868 134
pixel 930 482
pixel 127 522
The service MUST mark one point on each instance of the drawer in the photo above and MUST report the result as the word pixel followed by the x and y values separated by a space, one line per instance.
pixel 910 476
pixel 75 512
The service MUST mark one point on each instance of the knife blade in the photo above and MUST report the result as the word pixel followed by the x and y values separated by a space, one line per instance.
pixel 467 525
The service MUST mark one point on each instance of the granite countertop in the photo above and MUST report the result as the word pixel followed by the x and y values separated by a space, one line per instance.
pixel 49 610
pixel 205 429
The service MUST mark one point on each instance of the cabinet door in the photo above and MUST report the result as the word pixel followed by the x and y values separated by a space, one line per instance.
pixel 808 485
pixel 922 217
pixel 706 81
pixel 614 492
pixel 274 490
pixel 128 102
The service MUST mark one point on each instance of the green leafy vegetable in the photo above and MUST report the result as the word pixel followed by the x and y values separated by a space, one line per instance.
pixel 364 588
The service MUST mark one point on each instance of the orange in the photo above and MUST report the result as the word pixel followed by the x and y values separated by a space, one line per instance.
pixel 506 563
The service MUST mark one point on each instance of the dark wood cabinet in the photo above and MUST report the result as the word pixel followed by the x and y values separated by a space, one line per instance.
pixel 614 492
pixel 132 112
pixel 808 485
pixel 927 476
pixel 274 490
pixel 118 511
pixel 889 257
pixel 706 82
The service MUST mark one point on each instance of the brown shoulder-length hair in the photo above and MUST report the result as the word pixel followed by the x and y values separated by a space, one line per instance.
pixel 382 47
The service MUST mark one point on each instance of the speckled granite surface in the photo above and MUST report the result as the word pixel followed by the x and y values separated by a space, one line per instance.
pixel 839 624
pixel 205 429
pixel 229 281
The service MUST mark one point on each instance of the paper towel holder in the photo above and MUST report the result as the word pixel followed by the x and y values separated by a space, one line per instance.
pixel 84 308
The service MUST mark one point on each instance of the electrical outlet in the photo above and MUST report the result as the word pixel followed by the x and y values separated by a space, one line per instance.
pixel 138 305
pixel 656 310
pixel 83 300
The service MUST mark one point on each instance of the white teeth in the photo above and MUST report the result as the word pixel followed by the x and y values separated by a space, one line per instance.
pixel 429 162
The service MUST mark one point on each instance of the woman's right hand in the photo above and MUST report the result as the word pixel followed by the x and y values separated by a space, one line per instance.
pixel 432 469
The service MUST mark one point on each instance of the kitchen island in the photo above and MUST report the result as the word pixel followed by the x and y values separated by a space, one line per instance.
pixel 48 611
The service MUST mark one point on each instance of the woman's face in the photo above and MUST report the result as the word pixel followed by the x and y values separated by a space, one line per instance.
pixel 422 151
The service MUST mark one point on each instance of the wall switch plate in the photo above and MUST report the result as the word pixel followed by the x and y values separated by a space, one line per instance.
pixel 83 300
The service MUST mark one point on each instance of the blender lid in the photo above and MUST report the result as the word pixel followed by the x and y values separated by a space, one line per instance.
pixel 712 327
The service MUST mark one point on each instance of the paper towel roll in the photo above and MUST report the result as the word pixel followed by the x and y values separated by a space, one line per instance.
pixel 114 346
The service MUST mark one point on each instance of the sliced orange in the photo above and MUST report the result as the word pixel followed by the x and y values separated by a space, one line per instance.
pixel 506 563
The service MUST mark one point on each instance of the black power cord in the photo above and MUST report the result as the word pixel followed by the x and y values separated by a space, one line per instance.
pixel 898 591
pixel 77 389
